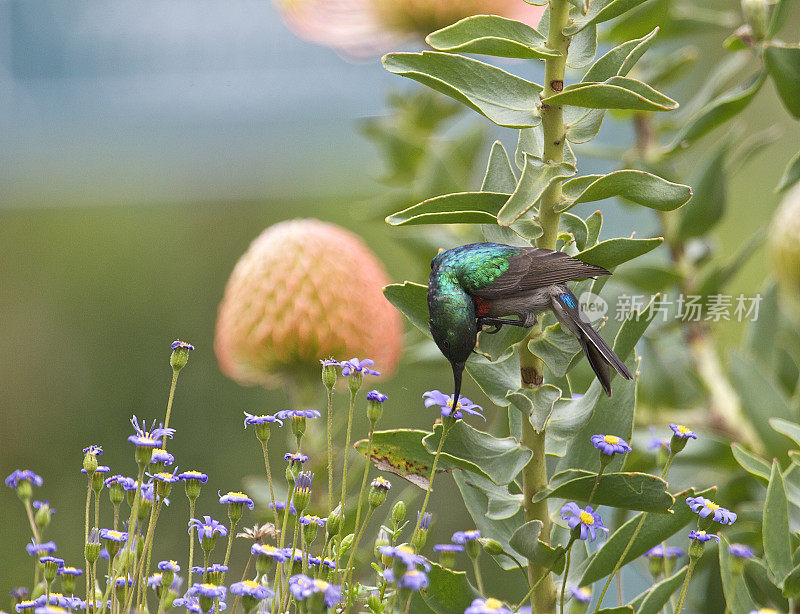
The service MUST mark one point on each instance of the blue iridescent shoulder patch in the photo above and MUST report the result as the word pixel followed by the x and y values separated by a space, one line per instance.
pixel 567 300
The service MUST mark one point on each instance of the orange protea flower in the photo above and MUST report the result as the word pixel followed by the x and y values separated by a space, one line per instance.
pixel 304 291
pixel 368 28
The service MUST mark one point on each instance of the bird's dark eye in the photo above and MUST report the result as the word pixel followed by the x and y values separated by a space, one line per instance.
pixel 446 343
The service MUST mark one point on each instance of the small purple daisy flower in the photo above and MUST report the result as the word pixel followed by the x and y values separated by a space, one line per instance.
pixel 193 475
pixel 706 507
pixel 462 537
pixel 405 554
pixel 448 548
pixel 295 457
pixel 354 365
pixel 581 594
pixel 35 549
pixel 741 551
pixel 149 438
pixel 286 414
pixel 702 536
pixel 587 519
pixel 682 432
pixel 162 456
pixel 302 587
pixel 436 398
pixel 487 606
pixel 183 345
pixel 207 528
pixel 252 589
pixel 256 420
pixel 271 552
pixel 610 444
pixel 413 579
pixel 23 475
pixel 236 497
pixel 281 505
pixel 658 552
pixel 169 566
pixel 378 397
pixel 93 450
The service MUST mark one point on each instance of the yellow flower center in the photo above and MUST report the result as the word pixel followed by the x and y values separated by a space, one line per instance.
pixel 406 549
pixel 584 592
pixel 494 604
pixel 321 584
pixel 236 494
pixel 586 518
pixel 711 505
pixel 683 430
pixel 115 534
pixel 700 533
pixel 450 404
pixel 251 584
pixel 611 439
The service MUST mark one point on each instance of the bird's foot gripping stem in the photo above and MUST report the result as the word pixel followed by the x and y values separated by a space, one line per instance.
pixel 497 323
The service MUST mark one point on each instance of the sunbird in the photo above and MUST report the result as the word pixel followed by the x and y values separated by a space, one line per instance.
pixel 481 284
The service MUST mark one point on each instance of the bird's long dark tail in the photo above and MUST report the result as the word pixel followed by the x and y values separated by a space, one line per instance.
pixel 597 351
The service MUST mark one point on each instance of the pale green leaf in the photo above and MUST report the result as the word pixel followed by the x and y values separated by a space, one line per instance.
pixel 791 174
pixel 504 98
pixel 783 63
pixel 499 176
pixel 775 529
pixel 600 11
pixel 526 541
pixel 537 176
pixel 613 252
pixel 719 111
pixel 640 187
pixel 459 208
pixel 412 301
pixel 707 206
pixel 631 491
pixel 536 404
pixel 621 59
pixel 736 594
pixel 655 598
pixel 556 348
pixel 492 35
pixel 613 93
pixel 448 592
pixel 496 378
pixel 576 227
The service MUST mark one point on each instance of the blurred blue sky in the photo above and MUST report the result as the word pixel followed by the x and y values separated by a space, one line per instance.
pixel 180 101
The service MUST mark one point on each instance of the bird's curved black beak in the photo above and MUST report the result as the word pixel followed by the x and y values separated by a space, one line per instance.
pixel 458 372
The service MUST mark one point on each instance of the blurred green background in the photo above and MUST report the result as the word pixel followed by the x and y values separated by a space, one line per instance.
pixel 142 148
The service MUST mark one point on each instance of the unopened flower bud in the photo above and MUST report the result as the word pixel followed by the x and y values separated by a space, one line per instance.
pixel 399 512
pixel 329 373
pixel 491 546
pixel 180 354
pixel 302 490
pixel 90 463
pixel 334 521
pixel 375 401
pixel 347 543
pixel 382 540
pixel 378 491
pixel 756 13
pixel 374 602
pixel 43 514
pixel 92 549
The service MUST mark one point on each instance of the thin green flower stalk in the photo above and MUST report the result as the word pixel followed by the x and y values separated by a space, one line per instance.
pixel 191 542
pixel 137 575
pixel 447 424
pixel 329 381
pixel 177 360
pixel 353 391
pixel 680 437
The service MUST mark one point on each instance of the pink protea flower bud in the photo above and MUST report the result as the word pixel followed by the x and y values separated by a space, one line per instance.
pixel 304 291
pixel 368 28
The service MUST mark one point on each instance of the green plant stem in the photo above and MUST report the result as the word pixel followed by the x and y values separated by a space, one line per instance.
pixel 445 429
pixel 244 575
pixel 564 578
pixel 545 574
pixel 349 567
pixel 278 566
pixel 330 450
pixel 85 535
pixel 230 544
pixel 478 578
pixel 140 564
pixel 596 482
pixel 685 587
pixel 169 405
pixel 356 527
pixel 112 575
pixel 619 563
pixel 191 541
pixel 269 482
pixel 350 413
pixel 134 516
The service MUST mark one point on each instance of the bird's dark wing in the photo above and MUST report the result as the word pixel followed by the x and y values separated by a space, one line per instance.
pixel 535 268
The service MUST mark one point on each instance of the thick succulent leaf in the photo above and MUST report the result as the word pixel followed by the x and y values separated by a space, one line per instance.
pixel 761 586
pixel 719 111
pixel 504 500
pixel 499 459
pixel 762 399
pixel 499 176
pixel 630 491
pixel 780 13
pixel 783 63
pixel 492 35
pixel 791 584
pixel 401 451
pixel 505 99
pixel 476 501
pixel 621 59
pixel 536 404
pixel 707 206
pixel 496 377
pixel 594 223
pixel 656 529
pixel 650 278
pixel 775 528
pixel 556 348
pixel 448 592
pixel 583 48
pixel 750 462
pixel 788 428
pixel 576 227
pixel 640 187
pixel 412 300
pixel 736 594
pixel 655 598
pixel 600 11
pixel 458 208
pixel 791 174
pixel 613 252
pixel 614 93
pixel 582 125
pixel 526 542
pixel 537 176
